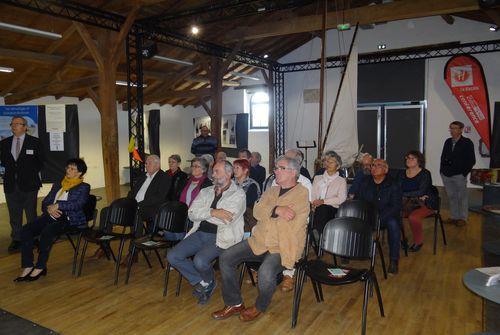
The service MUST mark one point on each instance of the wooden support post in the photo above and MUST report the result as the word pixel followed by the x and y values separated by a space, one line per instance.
pixel 106 54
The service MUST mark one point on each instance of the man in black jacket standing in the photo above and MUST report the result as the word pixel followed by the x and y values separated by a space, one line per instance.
pixel 23 158
pixel 457 160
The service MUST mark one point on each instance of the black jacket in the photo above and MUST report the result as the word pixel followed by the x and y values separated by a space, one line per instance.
pixel 258 173
pixel 156 194
pixel 460 160
pixel 179 180
pixel 424 181
pixel 26 171
pixel 386 196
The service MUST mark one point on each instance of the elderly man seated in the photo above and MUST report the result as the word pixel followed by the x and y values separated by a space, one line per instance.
pixel 217 215
pixel 385 193
pixel 362 173
pixel 277 242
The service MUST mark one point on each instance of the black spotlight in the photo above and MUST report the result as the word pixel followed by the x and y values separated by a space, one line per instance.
pixel 149 49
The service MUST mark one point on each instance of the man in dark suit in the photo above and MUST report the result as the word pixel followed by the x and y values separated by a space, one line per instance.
pixel 257 171
pixel 151 189
pixel 23 158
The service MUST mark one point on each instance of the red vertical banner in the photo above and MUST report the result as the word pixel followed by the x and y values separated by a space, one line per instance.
pixel 465 77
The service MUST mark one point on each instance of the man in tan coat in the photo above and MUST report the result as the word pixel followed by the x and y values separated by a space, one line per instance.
pixel 277 242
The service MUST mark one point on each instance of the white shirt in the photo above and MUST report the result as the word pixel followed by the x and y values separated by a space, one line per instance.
pixel 304 181
pixel 142 191
pixel 14 144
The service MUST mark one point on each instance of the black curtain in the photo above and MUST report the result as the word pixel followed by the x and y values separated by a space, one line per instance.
pixel 495 138
pixel 154 132
pixel 56 160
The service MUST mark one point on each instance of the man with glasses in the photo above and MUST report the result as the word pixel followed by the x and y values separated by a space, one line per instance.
pixel 361 174
pixel 385 193
pixel 217 215
pixel 277 242
pixel 23 158
pixel 457 160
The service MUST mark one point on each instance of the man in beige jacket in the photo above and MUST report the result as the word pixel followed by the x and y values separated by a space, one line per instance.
pixel 277 242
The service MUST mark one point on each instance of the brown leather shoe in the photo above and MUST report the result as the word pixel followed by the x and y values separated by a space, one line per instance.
pixel 460 223
pixel 287 284
pixel 227 312
pixel 250 314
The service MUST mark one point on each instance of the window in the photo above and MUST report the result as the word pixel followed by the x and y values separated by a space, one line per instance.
pixel 259 110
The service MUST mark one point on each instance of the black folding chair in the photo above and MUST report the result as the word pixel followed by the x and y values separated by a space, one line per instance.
pixel 121 214
pixel 365 211
pixel 438 219
pixel 346 237
pixel 171 216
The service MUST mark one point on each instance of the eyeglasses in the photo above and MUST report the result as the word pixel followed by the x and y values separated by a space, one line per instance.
pixel 281 168
pixel 378 165
pixel 17 124
pixel 196 166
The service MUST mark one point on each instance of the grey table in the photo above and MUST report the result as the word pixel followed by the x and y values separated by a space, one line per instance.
pixel 475 281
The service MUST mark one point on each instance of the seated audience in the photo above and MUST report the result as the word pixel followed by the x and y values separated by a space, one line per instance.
pixel 178 177
pixel 277 242
pixel 204 144
pixel 251 188
pixel 62 209
pixel 245 154
pixel 220 156
pixel 257 171
pixel 196 182
pixel 217 214
pixel 361 174
pixel 385 194
pixel 210 160
pixel 416 184
pixel 329 190
pixel 298 155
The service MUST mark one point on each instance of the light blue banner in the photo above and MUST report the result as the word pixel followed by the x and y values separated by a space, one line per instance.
pixel 29 112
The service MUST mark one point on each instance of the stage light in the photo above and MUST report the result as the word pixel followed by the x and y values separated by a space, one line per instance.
pixel 195 30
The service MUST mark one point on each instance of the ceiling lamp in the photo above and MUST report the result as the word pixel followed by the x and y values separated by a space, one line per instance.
pixel 195 30
pixel 29 31
pixel 172 60
pixel 6 69
pixel 124 83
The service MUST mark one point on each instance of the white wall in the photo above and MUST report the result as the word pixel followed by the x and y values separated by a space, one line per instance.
pixel 302 119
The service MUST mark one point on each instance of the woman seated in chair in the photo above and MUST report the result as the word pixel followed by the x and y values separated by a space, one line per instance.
pixel 329 190
pixel 251 188
pixel 197 181
pixel 178 176
pixel 62 209
pixel 416 184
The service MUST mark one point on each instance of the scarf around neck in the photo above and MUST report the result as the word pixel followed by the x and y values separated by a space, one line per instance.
pixel 67 184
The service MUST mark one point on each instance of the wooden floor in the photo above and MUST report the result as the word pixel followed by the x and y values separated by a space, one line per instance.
pixel 426 297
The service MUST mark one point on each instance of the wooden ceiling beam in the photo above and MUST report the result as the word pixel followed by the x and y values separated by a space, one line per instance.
pixel 397 10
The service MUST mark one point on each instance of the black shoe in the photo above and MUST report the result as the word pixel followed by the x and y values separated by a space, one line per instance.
pixel 23 278
pixel 198 290
pixel 33 278
pixel 416 247
pixel 14 246
pixel 209 290
pixel 393 267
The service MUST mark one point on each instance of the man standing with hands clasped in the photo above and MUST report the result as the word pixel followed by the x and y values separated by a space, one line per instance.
pixel 457 160
pixel 22 156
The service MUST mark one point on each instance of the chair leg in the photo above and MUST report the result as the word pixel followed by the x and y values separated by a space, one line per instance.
pixel 146 258
pixel 298 284
pixel 404 240
pixel 159 259
pixel 320 291
pixel 250 274
pixel 242 273
pixel 379 295
pixel 315 289
pixel 382 259
pixel 435 233
pixel 70 239
pixel 179 282
pixel 118 260
pixel 75 254
pixel 82 257
pixel 165 282
pixel 442 229
pixel 365 305
pixel 129 264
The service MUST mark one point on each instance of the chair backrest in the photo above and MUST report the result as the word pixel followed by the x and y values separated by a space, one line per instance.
pixel 171 216
pixel 434 200
pixel 348 237
pixel 268 182
pixel 121 212
pixel 89 208
pixel 358 209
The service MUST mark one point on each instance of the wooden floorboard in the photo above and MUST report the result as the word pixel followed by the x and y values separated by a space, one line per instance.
pixel 426 297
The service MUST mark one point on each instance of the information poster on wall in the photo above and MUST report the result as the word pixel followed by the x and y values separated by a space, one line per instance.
pixel 55 118
pixel 30 113
pixel 228 133
pixel 56 141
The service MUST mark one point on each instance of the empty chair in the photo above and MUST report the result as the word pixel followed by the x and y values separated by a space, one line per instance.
pixel 437 217
pixel 120 215
pixel 171 216
pixel 345 237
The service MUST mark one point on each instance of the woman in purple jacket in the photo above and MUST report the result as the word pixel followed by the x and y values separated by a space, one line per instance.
pixel 62 208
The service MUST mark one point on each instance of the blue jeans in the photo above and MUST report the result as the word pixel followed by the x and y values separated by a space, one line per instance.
pixel 202 246
pixel 393 227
